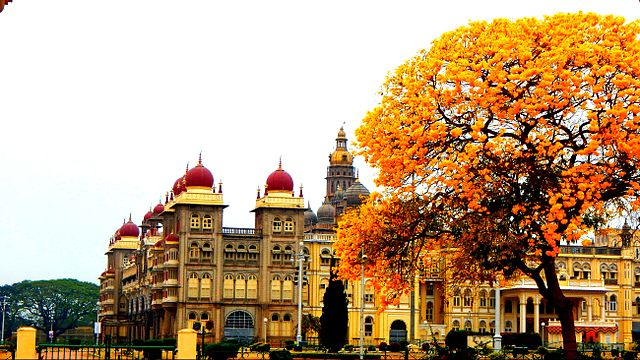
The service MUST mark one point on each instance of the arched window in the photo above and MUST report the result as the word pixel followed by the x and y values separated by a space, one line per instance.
pixel 467 298
pixel 324 283
pixel 241 252
pixel 204 316
pixel 456 297
pixel 483 298
pixel 207 251
pixel 241 287
pixel 467 325
pixel 252 287
pixel 207 222
pixel 195 222
pixel 228 286
pixel 492 298
pixel 429 312
pixel 287 288
pixel 277 225
pixel 368 292
pixel 205 286
pixel 253 252
pixel 586 271
pixel 286 317
pixel 194 251
pixel 276 254
pixel 508 306
pixel 192 316
pixel 239 326
pixel 275 317
pixel 577 270
pixel 229 252
pixel 276 288
pixel 508 326
pixel 193 284
pixel 455 325
pixel 325 257
pixel 637 305
pixel 288 252
pixel 482 326
pixel 368 326
pixel 613 303
pixel 492 327
pixel 288 225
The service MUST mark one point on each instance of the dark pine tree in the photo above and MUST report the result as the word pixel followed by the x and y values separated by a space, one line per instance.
pixel 335 318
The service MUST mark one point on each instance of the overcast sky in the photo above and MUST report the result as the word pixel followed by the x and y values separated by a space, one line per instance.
pixel 103 104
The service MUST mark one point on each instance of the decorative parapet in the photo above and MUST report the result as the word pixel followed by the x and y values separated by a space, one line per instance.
pixel 196 197
pixel 280 200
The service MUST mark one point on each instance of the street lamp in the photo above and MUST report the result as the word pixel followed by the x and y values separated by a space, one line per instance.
pixel 300 259
pixel 4 307
pixel 542 324
pixel 264 329
pixel 96 327
pixel 364 259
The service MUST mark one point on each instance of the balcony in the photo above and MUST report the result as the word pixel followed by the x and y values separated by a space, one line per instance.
pixel 611 281
pixel 590 250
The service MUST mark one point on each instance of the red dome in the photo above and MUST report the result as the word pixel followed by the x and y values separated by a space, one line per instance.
pixel 172 238
pixel 178 186
pixel 159 243
pixel 158 209
pixel 147 216
pixel 130 229
pixel 117 234
pixel 199 176
pixel 279 180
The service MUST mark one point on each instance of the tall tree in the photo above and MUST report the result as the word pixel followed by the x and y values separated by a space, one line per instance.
pixel 500 142
pixel 60 305
pixel 334 320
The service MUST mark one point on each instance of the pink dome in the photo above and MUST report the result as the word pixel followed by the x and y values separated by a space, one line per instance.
pixel 158 209
pixel 130 229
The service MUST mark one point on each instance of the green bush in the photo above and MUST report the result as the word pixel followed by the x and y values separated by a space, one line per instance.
pixel 289 344
pixel 383 346
pixel 280 355
pixel 221 350
pixel 629 355
pixel 456 339
pixel 530 340
pixel 260 347
pixel 557 354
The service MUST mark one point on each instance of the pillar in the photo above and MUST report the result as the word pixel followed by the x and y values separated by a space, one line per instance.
pixel 186 344
pixel 26 347
pixel 536 314
pixel 523 314
pixel 590 308
pixel 497 338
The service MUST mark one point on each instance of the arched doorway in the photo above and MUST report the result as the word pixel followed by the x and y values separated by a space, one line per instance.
pixel 398 332
pixel 239 325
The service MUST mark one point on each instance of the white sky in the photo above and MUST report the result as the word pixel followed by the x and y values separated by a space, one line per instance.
pixel 103 104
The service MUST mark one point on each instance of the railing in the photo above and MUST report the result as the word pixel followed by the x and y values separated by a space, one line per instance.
pixel 230 231
pixel 590 250
pixel 61 351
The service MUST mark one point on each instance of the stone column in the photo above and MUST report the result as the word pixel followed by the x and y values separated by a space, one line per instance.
pixel 523 314
pixel 497 338
pixel 536 314
pixel 590 308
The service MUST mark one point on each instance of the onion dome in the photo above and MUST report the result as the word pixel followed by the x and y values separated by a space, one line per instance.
pixel 199 176
pixel 130 229
pixel 356 193
pixel 279 180
pixel 310 217
pixel 158 209
pixel 117 235
pixel 341 156
pixel 172 238
pixel 179 186
pixel 147 216
pixel 159 243
pixel 326 213
pixel 110 271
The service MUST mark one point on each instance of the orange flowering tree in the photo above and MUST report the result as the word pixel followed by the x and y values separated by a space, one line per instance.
pixel 497 144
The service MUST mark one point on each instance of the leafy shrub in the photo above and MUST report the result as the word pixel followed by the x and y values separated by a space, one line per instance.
pixel 629 355
pixel 615 352
pixel 530 340
pixel 557 354
pixel 456 339
pixel 280 355
pixel 260 347
pixel 289 344
pixel 221 350
pixel 371 348
pixel 383 346
pixel 348 347
pixel 394 347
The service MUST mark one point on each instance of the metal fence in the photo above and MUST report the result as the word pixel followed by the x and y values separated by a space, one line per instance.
pixel 109 352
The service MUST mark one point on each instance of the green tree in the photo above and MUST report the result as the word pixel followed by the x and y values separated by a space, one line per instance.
pixel 309 324
pixel 334 319
pixel 60 304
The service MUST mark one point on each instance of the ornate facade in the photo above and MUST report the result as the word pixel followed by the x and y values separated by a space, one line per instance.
pixel 181 266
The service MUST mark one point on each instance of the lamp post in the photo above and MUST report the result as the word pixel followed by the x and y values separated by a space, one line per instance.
pixel 96 327
pixel 4 307
pixel 364 259
pixel 51 330
pixel 300 259
pixel 264 329
pixel 542 324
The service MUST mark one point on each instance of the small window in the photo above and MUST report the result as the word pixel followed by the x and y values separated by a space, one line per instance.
pixel 288 225
pixel 206 251
pixel 286 317
pixel 455 325
pixel 204 316
pixel 192 316
pixel 277 225
pixel 275 317
pixel 207 222
pixel 195 222
pixel 194 251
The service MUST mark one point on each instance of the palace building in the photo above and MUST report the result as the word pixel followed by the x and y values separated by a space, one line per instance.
pixel 180 266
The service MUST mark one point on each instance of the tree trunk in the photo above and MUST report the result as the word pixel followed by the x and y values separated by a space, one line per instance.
pixel 564 309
